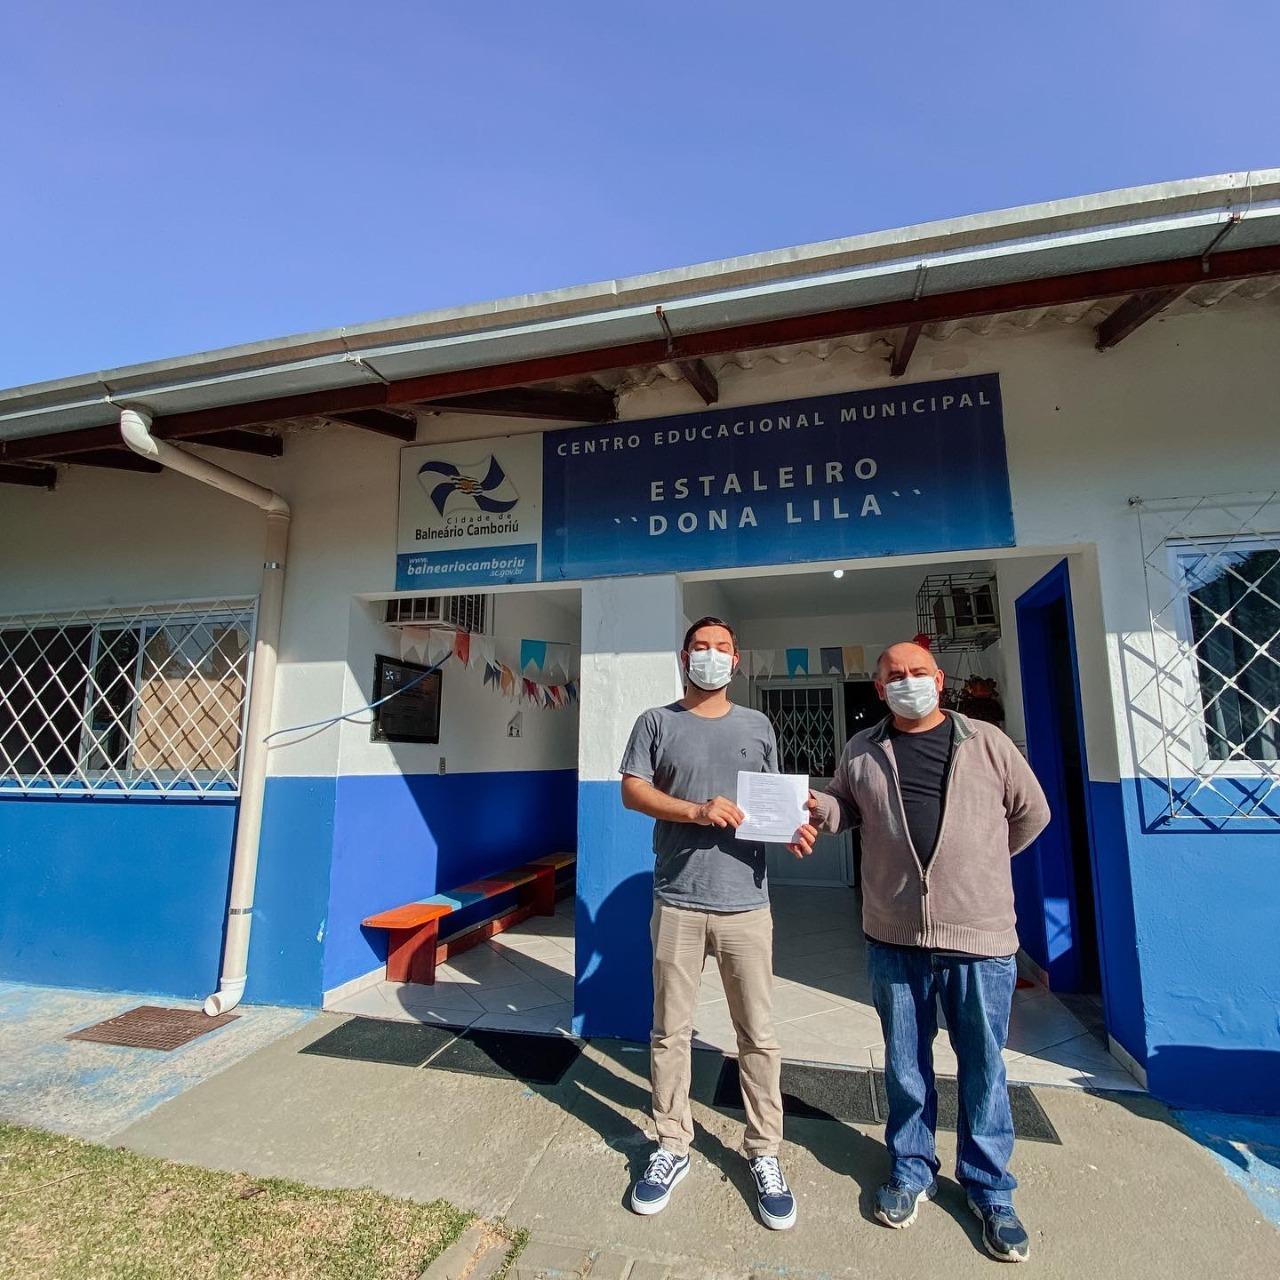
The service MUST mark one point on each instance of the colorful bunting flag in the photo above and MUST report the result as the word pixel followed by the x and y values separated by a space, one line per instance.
pixel 462 647
pixel 797 662
pixel 557 669
pixel 854 662
pixel 832 661
pixel 533 653
pixel 413 642
pixel 439 646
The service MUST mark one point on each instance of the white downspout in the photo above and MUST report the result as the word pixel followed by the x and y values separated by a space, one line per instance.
pixel 135 429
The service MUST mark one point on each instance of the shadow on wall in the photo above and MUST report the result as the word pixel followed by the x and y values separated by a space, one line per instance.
pixel 613 995
pixel 1243 1081
pixel 402 837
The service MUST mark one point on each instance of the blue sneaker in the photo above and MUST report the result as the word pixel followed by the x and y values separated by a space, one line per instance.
pixel 897 1204
pixel 776 1203
pixel 665 1172
pixel 1005 1237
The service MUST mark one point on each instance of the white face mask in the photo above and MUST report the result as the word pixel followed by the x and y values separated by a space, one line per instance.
pixel 912 698
pixel 710 669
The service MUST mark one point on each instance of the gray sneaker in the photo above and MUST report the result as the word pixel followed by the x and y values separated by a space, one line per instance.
pixel 1005 1237
pixel 897 1204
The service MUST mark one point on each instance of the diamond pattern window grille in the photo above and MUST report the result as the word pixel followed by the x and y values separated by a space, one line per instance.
pixel 1212 568
pixel 149 700
pixel 804 720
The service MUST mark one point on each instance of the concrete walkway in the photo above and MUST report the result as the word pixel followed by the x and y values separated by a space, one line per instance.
pixel 94 1090
pixel 1127 1194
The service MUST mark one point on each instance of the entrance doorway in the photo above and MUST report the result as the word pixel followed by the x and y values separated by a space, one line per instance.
pixel 813 719
pixel 808 719
pixel 1055 888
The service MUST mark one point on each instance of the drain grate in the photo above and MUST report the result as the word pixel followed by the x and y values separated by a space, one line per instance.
pixel 812 1092
pixel 150 1026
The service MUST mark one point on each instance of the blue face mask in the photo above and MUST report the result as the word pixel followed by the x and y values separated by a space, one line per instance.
pixel 710 669
pixel 912 698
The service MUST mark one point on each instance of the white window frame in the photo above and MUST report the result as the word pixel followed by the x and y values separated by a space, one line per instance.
pixel 1204 763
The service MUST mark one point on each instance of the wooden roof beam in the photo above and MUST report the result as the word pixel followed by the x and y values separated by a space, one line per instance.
pixel 379 420
pixel 701 379
pixel 1133 312
pixel 904 344
pixel 266 446
pixel 34 476
pixel 548 403
pixel 113 460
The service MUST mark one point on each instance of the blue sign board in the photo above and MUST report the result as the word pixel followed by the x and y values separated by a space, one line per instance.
pixel 866 473
pixel 433 570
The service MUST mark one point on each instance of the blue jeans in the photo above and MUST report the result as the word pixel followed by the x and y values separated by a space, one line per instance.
pixel 976 998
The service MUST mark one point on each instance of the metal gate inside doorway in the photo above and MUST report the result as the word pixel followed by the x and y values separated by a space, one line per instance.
pixel 808 718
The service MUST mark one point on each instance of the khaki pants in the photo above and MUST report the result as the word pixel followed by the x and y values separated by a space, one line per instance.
pixel 742 943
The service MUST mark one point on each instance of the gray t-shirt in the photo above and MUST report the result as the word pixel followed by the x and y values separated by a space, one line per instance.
pixel 696 758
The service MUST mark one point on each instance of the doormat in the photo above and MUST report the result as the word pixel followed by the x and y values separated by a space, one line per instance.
pixel 808 1092
pixel 535 1059
pixel 151 1026
pixel 1029 1119
pixel 812 1092
pixel 400 1044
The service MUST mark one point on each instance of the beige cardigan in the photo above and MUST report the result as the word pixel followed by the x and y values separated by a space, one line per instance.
pixel 994 807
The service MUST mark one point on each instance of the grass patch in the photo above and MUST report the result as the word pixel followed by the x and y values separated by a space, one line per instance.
pixel 69 1208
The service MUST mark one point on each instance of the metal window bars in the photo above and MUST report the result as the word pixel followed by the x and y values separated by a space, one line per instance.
pixel 1212 679
pixel 148 700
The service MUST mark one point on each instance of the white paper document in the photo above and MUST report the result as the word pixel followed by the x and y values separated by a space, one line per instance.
pixel 774 805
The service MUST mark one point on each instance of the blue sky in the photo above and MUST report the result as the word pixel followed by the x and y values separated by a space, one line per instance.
pixel 177 177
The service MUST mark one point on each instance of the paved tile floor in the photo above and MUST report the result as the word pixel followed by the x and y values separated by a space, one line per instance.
pixel 523 980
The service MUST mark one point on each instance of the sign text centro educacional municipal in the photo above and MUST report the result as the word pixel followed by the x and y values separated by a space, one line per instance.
pixel 867 473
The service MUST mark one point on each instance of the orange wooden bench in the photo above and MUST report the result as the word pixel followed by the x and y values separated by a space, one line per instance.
pixel 414 945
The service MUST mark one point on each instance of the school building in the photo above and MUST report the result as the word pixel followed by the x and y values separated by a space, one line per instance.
pixel 1044 438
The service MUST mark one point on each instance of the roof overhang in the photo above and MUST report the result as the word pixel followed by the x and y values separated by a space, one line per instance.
pixel 1167 237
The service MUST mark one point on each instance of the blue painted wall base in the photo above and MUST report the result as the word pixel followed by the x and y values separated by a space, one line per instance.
pixel 614 991
pixel 400 837
pixel 116 894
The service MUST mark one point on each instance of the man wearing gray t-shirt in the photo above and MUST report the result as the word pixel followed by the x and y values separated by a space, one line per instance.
pixel 710 898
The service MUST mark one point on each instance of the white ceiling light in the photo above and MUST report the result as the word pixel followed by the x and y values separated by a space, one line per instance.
pixel 837 573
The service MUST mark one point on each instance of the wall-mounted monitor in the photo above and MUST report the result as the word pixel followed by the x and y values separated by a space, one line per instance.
pixel 413 714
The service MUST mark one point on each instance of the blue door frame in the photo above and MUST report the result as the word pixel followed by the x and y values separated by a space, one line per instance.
pixel 1057 898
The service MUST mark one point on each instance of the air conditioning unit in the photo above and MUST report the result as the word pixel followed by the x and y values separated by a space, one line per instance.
pixel 470 613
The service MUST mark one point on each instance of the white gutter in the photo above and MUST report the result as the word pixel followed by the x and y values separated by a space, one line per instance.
pixel 135 430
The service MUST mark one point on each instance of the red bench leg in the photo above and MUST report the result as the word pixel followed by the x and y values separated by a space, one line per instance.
pixel 544 892
pixel 411 953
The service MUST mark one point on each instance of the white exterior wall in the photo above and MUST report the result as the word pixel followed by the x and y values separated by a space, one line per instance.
pixel 1184 406
pixel 107 537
